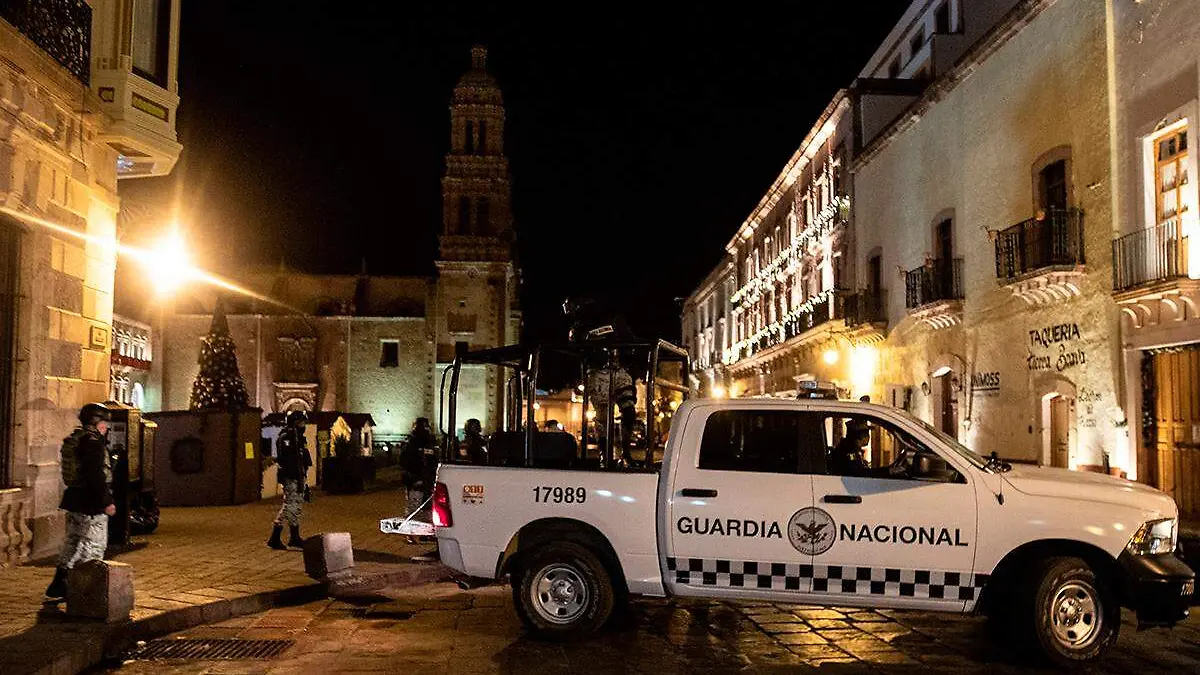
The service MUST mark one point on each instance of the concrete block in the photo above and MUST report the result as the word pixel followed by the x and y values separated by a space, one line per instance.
pixel 328 554
pixel 100 589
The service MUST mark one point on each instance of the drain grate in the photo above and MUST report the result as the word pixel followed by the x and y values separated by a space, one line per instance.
pixel 209 649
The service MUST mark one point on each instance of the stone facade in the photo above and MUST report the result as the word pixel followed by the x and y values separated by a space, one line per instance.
pixel 60 156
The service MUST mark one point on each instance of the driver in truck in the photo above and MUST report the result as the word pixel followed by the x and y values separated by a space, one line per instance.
pixel 848 457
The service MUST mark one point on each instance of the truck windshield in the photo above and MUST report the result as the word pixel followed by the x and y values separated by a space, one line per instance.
pixel 951 442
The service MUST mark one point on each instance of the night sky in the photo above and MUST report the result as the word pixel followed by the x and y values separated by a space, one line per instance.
pixel 315 132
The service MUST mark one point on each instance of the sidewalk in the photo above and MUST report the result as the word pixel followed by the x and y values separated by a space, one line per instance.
pixel 203 564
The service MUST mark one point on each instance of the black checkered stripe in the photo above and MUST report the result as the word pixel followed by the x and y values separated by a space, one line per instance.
pixel 888 582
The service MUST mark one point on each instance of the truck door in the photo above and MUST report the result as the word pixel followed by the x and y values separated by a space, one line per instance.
pixel 905 532
pixel 742 476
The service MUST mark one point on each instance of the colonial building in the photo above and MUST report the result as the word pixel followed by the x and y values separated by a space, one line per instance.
pixel 87 96
pixel 132 372
pixel 798 297
pixel 1155 269
pixel 989 203
pixel 375 344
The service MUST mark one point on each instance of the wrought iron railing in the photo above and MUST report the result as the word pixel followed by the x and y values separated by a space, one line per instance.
pixel 1052 241
pixel 866 306
pixel 61 28
pixel 934 281
pixel 1152 254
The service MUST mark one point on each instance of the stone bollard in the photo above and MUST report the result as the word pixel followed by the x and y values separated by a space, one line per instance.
pixel 328 556
pixel 100 589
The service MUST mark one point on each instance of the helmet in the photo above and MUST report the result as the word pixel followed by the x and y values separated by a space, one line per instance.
pixel 857 426
pixel 94 412
pixel 296 416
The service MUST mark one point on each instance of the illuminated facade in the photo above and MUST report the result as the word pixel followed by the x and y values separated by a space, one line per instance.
pixel 80 112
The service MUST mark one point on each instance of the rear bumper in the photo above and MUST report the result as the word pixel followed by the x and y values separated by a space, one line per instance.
pixel 1159 588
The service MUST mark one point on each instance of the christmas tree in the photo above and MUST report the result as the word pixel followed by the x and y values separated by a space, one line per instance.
pixel 219 385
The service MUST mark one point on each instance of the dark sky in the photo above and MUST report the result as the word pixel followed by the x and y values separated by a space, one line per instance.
pixel 316 132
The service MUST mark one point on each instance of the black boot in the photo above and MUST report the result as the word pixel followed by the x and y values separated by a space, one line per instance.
pixel 57 589
pixel 274 542
pixel 294 537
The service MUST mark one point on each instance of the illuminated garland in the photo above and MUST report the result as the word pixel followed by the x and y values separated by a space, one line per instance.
pixel 835 213
pixel 778 327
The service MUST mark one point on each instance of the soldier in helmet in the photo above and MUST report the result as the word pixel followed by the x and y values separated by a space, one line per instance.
pixel 88 499
pixel 847 458
pixel 291 454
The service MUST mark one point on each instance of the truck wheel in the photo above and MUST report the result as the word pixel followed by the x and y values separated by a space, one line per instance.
pixel 1075 616
pixel 563 592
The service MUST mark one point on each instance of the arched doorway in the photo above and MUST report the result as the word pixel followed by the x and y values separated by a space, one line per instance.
pixel 1057 421
pixel 945 386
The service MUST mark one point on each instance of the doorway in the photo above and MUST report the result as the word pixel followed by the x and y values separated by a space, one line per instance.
pixel 1060 432
pixel 946 404
pixel 1174 444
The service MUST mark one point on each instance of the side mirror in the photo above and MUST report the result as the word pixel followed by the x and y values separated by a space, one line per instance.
pixel 929 465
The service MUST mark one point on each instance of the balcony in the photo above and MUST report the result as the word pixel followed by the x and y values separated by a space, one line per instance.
pixel 140 95
pixel 933 292
pixel 1041 260
pixel 1152 284
pixel 61 28
pixel 1153 255
pixel 866 315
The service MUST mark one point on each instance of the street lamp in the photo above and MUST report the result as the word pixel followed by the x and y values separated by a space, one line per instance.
pixel 169 264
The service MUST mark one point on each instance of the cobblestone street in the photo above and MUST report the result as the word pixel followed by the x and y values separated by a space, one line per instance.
pixel 440 630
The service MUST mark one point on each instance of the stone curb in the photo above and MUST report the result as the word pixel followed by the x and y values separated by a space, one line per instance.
pixel 116 639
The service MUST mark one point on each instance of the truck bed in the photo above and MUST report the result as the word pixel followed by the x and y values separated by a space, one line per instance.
pixel 491 504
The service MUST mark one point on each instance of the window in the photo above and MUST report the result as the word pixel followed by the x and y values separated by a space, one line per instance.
pixel 469 145
pixel 875 272
pixel 943 240
pixel 464 215
pixel 151 39
pixel 918 41
pixel 868 448
pixel 482 145
pixel 1052 186
pixel 941 18
pixel 1170 174
pixel 483 215
pixel 762 441
pixel 389 356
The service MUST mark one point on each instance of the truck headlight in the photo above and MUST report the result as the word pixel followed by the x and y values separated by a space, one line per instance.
pixel 1154 536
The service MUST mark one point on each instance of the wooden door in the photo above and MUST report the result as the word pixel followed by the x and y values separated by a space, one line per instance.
pixel 1060 432
pixel 1177 417
pixel 948 415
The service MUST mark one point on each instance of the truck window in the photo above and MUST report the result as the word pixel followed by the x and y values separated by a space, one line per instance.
pixel 765 441
pixel 867 447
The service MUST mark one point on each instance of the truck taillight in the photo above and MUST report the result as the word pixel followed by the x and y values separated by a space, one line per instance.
pixel 441 506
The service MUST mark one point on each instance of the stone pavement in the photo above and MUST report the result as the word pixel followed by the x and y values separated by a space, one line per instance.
pixel 204 564
pixel 440 630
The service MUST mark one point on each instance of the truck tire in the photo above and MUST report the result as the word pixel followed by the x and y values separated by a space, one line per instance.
pixel 1067 612
pixel 563 592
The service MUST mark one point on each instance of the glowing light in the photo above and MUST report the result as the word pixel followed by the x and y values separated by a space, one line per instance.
pixel 537 406
pixel 168 264
pixel 674 404
pixel 718 392
pixel 580 387
pixel 830 356
pixel 864 363
pixel 591 415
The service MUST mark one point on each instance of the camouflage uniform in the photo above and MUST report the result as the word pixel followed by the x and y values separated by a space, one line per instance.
pixel 87 472
pixel 292 455
pixel 615 381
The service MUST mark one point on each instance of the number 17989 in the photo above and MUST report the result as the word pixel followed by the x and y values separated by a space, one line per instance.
pixel 560 495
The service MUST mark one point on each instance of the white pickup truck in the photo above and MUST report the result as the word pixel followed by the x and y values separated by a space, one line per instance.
pixel 771 500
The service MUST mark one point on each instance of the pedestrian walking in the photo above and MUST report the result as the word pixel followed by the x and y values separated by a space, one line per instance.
pixel 291 454
pixel 88 499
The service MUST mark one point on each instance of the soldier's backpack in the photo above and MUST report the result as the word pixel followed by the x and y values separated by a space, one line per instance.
pixel 69 458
